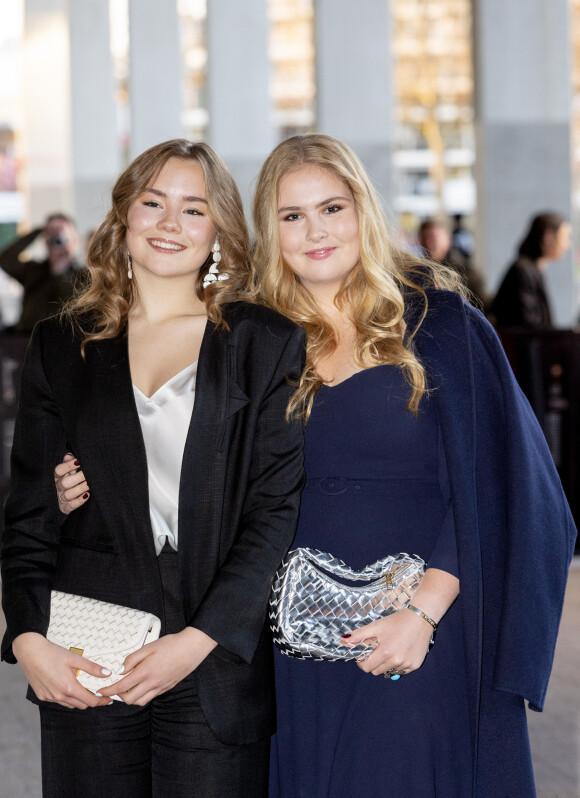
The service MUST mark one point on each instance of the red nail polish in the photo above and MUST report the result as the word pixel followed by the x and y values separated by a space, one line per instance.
pixel 76 462
pixel 348 635
pixel 85 495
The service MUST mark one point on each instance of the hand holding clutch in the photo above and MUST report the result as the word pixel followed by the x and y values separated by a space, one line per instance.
pixel 51 672
pixel 104 633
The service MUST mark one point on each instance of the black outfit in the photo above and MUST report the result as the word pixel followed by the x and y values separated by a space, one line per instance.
pixel 164 749
pixel 239 495
pixel 44 292
pixel 521 300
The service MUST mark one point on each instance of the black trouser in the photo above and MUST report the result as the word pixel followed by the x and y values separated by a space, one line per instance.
pixel 163 750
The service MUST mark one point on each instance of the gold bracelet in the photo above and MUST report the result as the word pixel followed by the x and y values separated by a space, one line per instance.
pixel 417 611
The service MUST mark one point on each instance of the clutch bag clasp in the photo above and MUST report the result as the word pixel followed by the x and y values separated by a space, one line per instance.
pixel 80 652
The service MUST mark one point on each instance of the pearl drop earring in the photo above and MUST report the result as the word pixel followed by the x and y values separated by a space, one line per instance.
pixel 213 273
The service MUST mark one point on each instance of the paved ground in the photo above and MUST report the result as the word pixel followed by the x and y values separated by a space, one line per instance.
pixel 555 733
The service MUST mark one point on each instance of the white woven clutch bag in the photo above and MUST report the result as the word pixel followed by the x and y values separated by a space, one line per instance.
pixel 102 632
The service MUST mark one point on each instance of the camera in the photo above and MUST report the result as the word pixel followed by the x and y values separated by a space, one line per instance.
pixel 56 241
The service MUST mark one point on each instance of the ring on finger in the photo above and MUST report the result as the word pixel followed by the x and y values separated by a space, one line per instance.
pixel 393 674
pixel 61 500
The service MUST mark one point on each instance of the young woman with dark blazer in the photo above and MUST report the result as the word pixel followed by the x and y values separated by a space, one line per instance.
pixel 149 375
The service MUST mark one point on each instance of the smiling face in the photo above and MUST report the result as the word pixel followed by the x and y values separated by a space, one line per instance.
pixel 318 228
pixel 169 229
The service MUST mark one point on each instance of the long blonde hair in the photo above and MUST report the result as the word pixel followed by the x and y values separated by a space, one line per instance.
pixel 375 291
pixel 101 309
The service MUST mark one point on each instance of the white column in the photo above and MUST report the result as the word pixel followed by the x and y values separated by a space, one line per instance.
pixel 70 130
pixel 240 113
pixel 523 101
pixel 95 147
pixel 155 73
pixel 47 111
pixel 354 81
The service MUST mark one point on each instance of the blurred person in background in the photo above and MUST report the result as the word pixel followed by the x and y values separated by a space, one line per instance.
pixel 436 242
pixel 522 299
pixel 461 237
pixel 48 283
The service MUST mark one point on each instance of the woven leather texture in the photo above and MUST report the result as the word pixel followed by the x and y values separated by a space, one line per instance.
pixel 310 611
pixel 106 633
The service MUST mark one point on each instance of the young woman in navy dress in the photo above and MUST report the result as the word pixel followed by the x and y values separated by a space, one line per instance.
pixel 418 440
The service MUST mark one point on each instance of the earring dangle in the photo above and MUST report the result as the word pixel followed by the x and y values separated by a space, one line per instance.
pixel 129 266
pixel 213 273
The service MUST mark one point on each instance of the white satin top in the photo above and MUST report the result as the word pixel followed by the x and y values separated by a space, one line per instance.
pixel 165 419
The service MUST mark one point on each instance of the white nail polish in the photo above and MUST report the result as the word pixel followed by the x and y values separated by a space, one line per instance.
pixel 99 694
pixel 106 672
pixel 110 702
pixel 120 670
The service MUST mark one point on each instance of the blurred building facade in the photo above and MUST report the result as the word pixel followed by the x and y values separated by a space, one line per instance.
pixel 456 107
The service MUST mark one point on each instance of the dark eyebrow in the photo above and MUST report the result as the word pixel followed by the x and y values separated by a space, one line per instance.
pixel 294 208
pixel 163 194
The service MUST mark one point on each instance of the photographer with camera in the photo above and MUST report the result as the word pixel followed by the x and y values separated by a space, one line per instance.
pixel 48 283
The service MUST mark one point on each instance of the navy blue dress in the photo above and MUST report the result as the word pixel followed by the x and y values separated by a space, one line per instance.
pixel 376 485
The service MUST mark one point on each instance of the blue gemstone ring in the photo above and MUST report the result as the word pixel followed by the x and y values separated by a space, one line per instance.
pixel 394 675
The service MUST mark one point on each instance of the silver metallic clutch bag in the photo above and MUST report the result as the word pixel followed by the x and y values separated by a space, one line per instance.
pixel 102 632
pixel 310 611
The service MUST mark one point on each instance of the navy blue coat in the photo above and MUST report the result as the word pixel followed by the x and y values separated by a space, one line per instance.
pixel 515 537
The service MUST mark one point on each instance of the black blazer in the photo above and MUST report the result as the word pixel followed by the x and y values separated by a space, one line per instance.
pixel 240 488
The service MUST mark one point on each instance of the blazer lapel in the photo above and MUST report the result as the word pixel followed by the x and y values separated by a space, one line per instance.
pixel 122 451
pixel 199 496
pixel 217 398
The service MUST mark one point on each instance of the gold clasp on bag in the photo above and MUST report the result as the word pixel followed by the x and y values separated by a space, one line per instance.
pixel 80 652
pixel 392 575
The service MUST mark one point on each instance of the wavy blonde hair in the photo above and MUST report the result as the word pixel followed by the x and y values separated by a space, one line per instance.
pixel 101 309
pixel 376 292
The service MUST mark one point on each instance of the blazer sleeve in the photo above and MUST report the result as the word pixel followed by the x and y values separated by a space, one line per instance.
pixel 539 544
pixel 30 538
pixel 234 608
